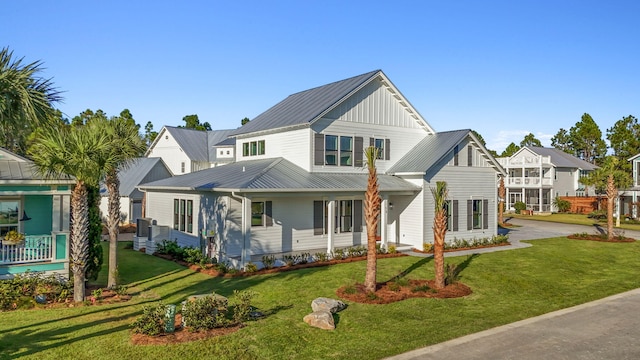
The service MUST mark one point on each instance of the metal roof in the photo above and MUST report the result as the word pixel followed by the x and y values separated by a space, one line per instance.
pixel 560 158
pixel 214 137
pixel 305 106
pixel 274 175
pixel 428 152
pixel 134 174
pixel 193 142
pixel 25 170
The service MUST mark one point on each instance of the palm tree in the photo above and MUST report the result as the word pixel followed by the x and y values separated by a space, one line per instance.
pixel 124 145
pixel 25 100
pixel 609 178
pixel 440 194
pixel 371 213
pixel 502 193
pixel 75 151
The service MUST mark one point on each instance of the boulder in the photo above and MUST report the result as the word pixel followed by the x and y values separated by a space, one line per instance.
pixel 327 304
pixel 320 319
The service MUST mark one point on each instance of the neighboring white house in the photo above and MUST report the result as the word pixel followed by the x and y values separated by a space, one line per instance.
pixel 536 175
pixel 141 170
pixel 630 198
pixel 299 178
pixel 187 150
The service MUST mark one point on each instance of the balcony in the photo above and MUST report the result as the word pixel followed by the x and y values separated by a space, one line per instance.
pixel 35 248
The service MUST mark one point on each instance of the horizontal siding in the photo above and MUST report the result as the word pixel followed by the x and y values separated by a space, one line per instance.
pixel 168 149
pixel 410 212
pixel 293 145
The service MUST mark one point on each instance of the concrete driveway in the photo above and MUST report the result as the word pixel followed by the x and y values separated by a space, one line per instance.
pixel 603 329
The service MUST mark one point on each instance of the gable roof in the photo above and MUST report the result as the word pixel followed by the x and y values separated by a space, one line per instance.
pixel 633 157
pixel 560 158
pixel 274 175
pixel 17 169
pixel 305 107
pixel 198 145
pixel 134 174
pixel 432 149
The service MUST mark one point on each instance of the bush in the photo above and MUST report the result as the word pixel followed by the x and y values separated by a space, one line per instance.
pixel 205 313
pixel 598 215
pixel 151 322
pixel 392 249
pixel 321 256
pixel 171 248
pixel 562 204
pixel 268 261
pixel 242 308
pixel 194 256
pixel 250 267
pixel 451 274
pixel 519 206
pixel 15 292
pixel 428 247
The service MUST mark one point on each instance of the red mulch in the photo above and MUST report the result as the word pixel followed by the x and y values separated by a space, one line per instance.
pixel 461 249
pixel 616 239
pixel 210 269
pixel 386 292
pixel 181 335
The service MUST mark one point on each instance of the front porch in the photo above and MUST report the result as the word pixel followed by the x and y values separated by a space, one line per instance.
pixel 46 253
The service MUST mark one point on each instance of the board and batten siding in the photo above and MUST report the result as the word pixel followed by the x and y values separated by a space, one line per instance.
pixel 293 145
pixel 401 141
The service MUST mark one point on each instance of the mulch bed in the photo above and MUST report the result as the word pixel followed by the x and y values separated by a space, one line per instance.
pixel 461 249
pixel 181 335
pixel 389 292
pixel 616 239
pixel 210 269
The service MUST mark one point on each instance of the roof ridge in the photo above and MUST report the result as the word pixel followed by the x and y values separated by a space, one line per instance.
pixel 335 82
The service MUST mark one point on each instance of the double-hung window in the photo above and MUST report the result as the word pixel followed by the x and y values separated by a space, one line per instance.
pixel 9 216
pixel 347 216
pixel 346 151
pixel 331 150
pixel 477 214
pixel 183 215
pixel 261 213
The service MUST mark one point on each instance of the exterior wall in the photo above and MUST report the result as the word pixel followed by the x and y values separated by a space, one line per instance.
pixel 293 145
pixel 159 207
pixel 408 213
pixel 566 182
pixel 173 156
pixel 40 210
pixel 125 208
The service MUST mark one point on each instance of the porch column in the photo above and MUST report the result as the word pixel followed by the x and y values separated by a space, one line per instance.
pixel 618 210
pixel 331 223
pixel 540 199
pixel 384 220
pixel 246 231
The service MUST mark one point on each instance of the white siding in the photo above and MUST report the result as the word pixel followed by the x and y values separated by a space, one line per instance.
pixel 410 212
pixel 159 207
pixel 168 149
pixel 293 145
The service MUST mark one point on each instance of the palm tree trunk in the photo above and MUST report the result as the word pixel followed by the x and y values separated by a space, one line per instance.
pixel 439 231
pixel 79 249
pixel 612 192
pixel 113 183
pixel 502 193
pixel 371 212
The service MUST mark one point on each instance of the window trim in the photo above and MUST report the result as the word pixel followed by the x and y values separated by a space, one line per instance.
pixel 321 216
pixel 266 216
pixel 253 148
pixel 183 215
pixel 12 226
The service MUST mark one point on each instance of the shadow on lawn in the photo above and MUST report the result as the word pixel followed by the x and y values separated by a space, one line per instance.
pixel 463 265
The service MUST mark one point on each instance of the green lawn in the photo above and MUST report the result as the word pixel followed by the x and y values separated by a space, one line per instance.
pixel 507 286
pixel 577 219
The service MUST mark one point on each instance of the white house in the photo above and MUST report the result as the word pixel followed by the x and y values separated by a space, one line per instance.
pixel 299 178
pixel 536 175
pixel 140 171
pixel 186 150
pixel 630 198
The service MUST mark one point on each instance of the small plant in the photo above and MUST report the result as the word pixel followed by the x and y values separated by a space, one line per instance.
pixel 151 322
pixel 321 256
pixel 338 254
pixel 427 247
pixel 121 290
pixel 303 258
pixel 451 274
pixel 380 249
pixel 223 267
pixel 519 206
pixel 350 289
pixel 268 261
pixel 242 308
pixel 97 294
pixel 561 204
pixel 402 281
pixel 392 249
pixel 205 313
pixel 250 267
pixel 372 296
pixel 171 248
pixel 13 238
pixel 422 288
pixel 394 287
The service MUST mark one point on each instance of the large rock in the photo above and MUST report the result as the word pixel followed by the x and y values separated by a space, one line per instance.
pixel 320 319
pixel 327 304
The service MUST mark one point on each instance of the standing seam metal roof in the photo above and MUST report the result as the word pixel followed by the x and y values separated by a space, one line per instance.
pixel 303 107
pixel 560 158
pixel 428 152
pixel 275 175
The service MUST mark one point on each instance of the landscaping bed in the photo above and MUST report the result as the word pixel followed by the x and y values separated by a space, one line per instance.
pixel 392 292
pixel 602 238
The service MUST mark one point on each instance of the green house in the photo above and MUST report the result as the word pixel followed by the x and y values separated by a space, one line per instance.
pixel 38 208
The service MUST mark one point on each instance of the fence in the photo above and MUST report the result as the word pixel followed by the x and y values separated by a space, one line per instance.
pixel 37 248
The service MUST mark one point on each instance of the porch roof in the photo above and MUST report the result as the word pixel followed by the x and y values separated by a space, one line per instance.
pixel 25 172
pixel 275 175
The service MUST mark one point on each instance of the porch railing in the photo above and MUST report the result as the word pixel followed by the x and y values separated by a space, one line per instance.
pixel 35 248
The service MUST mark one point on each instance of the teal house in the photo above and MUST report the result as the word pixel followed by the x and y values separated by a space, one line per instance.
pixel 37 208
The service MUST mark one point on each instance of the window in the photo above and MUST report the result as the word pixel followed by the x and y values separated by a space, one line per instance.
pixel 9 218
pixel 346 151
pixel 451 208
pixel 261 213
pixel 253 148
pixel 469 155
pixel 347 216
pixel 455 156
pixel 183 215
pixel 383 146
pixel 331 150
pixel 183 167
pixel 477 214
pixel 379 144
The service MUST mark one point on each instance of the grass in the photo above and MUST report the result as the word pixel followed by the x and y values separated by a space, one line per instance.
pixel 508 286
pixel 578 219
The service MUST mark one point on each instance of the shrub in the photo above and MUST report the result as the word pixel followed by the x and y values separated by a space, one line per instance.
pixel 151 322
pixel 304 258
pixel 392 249
pixel 350 289
pixel 338 254
pixel 562 204
pixel 268 261
pixel 598 215
pixel 205 313
pixel 194 256
pixel 427 247
pixel 250 267
pixel 421 288
pixel 519 206
pixel 171 248
pixel 15 292
pixel 242 308
pixel 379 250
pixel 321 256
pixel 402 281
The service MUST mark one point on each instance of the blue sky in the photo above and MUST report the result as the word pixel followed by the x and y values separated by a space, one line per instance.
pixel 502 68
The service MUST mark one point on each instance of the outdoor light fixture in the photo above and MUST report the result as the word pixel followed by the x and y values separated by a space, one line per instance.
pixel 390 206
pixel 25 217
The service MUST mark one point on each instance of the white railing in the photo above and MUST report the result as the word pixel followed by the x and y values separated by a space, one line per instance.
pixel 36 248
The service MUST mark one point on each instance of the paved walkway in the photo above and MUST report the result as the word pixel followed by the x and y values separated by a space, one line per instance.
pixel 603 329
